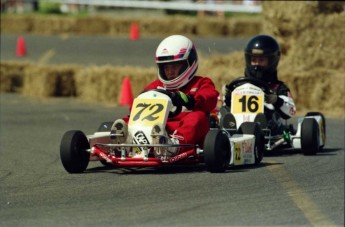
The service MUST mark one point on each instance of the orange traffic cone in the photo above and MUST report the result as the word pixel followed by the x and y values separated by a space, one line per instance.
pixel 135 32
pixel 21 47
pixel 126 96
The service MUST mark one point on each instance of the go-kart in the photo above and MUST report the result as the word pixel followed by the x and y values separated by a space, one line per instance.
pixel 148 109
pixel 247 105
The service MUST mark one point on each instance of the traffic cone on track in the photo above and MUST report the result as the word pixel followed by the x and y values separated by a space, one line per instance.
pixel 134 32
pixel 126 96
pixel 21 47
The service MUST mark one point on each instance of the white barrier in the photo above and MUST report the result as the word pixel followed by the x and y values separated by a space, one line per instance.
pixel 173 5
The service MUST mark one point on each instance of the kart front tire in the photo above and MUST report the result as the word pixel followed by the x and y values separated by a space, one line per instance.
pixel 253 128
pixel 323 129
pixel 217 150
pixel 73 154
pixel 310 142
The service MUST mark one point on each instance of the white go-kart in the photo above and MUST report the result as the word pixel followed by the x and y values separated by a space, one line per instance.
pixel 150 108
pixel 247 113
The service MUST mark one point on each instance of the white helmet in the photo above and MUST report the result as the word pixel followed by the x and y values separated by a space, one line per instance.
pixel 177 48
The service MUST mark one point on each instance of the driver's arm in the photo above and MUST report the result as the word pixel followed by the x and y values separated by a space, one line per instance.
pixel 284 104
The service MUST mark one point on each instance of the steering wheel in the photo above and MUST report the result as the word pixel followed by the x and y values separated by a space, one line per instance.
pixel 178 108
pixel 242 80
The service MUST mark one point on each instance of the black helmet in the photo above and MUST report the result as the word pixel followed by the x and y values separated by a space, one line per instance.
pixel 262 45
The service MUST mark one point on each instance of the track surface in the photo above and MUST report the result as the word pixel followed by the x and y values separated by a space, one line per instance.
pixel 287 189
pixel 90 50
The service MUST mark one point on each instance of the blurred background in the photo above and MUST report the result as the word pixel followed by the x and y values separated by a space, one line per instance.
pixel 310 33
pixel 191 7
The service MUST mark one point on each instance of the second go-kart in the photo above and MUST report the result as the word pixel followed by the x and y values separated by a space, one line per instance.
pixel 247 105
pixel 139 150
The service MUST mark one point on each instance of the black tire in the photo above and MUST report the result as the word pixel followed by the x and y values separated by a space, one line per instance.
pixel 323 129
pixel 261 120
pixel 73 154
pixel 310 142
pixel 253 128
pixel 217 151
pixel 105 126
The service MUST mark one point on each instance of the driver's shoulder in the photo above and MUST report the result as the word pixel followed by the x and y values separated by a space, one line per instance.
pixel 277 84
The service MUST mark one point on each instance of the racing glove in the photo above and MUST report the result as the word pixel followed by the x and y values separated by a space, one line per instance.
pixel 227 94
pixel 271 98
pixel 179 98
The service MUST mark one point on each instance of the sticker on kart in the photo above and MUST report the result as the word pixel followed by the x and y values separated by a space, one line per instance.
pixel 247 104
pixel 148 112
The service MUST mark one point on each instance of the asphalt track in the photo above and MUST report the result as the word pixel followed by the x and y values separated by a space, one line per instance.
pixel 97 50
pixel 287 189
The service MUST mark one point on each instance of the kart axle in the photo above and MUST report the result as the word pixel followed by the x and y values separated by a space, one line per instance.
pixel 145 161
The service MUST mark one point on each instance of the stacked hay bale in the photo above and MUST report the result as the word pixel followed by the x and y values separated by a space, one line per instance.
pixel 48 81
pixel 149 26
pixel 103 84
pixel 313 63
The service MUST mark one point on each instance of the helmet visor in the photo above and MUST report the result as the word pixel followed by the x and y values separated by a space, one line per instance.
pixel 172 70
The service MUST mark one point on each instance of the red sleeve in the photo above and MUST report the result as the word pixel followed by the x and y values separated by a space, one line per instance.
pixel 201 88
pixel 204 92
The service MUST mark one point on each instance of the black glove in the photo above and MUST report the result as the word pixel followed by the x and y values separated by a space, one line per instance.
pixel 226 90
pixel 271 98
pixel 227 94
pixel 179 98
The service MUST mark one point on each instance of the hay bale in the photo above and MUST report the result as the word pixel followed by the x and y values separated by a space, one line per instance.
pixel 50 81
pixel 244 27
pixel 311 37
pixel 103 84
pixel 53 25
pixel 214 26
pixel 307 35
pixel 319 90
pixel 16 24
pixel 321 45
pixel 149 26
pixel 222 68
pixel 310 34
pixel 92 25
pixel 120 27
pixel 12 76
pixel 161 26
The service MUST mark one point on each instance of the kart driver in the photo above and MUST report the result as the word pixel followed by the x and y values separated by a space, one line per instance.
pixel 262 55
pixel 177 61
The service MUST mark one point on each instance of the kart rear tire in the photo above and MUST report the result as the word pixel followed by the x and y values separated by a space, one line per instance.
pixel 310 139
pixel 323 129
pixel 73 154
pixel 105 126
pixel 253 128
pixel 217 151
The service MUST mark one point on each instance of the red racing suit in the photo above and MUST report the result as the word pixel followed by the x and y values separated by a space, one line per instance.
pixel 191 126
